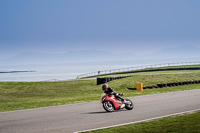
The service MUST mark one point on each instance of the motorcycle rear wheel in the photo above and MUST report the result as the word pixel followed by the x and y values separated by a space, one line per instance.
pixel 108 106
pixel 129 106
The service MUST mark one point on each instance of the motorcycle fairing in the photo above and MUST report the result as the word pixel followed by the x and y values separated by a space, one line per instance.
pixel 112 99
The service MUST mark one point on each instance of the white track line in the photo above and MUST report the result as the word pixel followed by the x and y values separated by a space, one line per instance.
pixel 140 121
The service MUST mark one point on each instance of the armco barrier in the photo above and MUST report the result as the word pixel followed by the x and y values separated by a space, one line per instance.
pixel 136 69
pixel 108 79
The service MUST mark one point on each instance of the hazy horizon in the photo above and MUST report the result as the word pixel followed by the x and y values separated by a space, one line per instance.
pixel 131 26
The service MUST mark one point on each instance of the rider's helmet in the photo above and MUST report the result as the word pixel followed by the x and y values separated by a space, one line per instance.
pixel 104 87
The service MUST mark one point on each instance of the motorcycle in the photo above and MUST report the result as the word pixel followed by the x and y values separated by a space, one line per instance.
pixel 111 103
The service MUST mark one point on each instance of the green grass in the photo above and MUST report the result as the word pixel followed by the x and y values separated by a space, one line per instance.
pixel 150 73
pixel 189 123
pixel 25 95
pixel 135 72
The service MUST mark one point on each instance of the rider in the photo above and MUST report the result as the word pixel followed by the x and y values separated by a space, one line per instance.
pixel 110 91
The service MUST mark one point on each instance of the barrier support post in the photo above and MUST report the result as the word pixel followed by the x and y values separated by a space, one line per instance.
pixel 139 86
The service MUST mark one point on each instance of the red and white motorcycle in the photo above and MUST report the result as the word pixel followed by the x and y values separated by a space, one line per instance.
pixel 111 103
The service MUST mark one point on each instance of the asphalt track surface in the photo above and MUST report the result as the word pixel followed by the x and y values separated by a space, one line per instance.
pixel 85 116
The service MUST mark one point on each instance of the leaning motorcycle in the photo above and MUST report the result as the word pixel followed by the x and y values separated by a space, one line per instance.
pixel 111 103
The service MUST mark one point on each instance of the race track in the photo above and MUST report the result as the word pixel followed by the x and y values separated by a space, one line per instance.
pixel 85 116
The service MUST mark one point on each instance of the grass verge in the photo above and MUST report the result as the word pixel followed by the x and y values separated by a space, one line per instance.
pixel 188 123
pixel 138 72
pixel 26 95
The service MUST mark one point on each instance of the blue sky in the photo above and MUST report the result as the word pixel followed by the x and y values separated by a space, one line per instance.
pixel 59 26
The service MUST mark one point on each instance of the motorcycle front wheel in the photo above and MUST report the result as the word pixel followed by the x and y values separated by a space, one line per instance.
pixel 108 106
pixel 130 105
